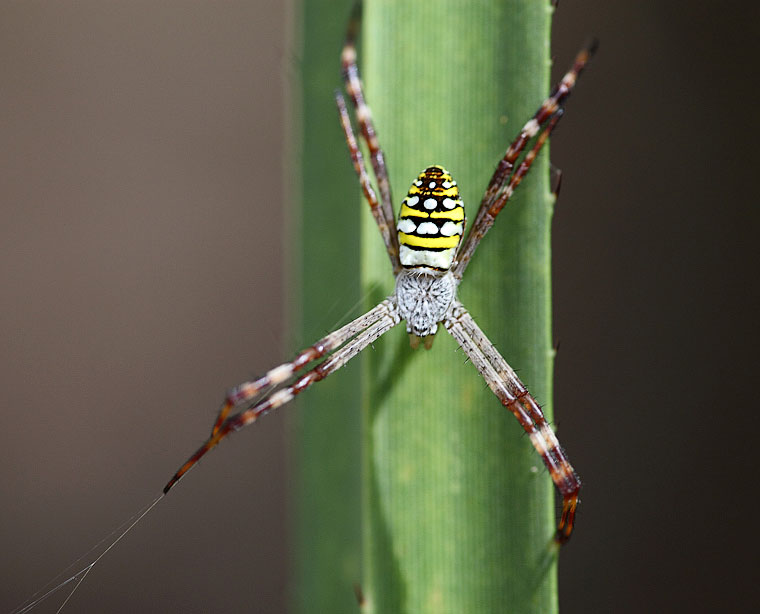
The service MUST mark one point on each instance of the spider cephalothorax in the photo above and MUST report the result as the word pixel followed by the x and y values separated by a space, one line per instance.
pixel 424 298
pixel 428 258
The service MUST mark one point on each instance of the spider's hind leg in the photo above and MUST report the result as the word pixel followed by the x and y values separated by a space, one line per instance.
pixel 345 343
pixel 513 394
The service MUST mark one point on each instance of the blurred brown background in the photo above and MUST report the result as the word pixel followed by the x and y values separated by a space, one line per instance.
pixel 142 238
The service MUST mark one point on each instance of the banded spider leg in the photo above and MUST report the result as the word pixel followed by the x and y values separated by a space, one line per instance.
pixel 494 369
pixel 495 197
pixel 513 394
pixel 356 336
pixel 353 84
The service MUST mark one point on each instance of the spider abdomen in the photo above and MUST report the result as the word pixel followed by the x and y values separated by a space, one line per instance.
pixel 423 300
pixel 431 221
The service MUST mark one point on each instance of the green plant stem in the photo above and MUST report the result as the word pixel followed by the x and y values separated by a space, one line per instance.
pixel 458 509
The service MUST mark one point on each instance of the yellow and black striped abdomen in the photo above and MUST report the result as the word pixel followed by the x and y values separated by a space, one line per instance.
pixel 431 221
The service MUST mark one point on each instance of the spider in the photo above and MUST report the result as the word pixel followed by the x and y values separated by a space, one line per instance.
pixel 428 259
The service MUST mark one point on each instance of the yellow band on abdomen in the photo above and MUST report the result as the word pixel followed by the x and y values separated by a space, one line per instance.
pixel 430 242
pixel 409 212
pixel 455 215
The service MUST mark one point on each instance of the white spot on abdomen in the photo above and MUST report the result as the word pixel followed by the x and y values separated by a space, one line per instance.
pixel 430 203
pixel 407 226
pixel 449 229
pixel 427 228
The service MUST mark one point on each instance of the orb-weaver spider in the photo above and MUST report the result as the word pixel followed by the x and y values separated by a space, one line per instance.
pixel 428 259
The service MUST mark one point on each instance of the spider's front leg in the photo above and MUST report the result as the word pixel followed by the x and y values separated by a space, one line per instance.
pixel 356 335
pixel 513 394
pixel 382 209
pixel 504 181
pixel 353 85
pixel 384 224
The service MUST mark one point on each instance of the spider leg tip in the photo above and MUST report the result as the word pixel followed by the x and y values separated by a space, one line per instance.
pixel 561 537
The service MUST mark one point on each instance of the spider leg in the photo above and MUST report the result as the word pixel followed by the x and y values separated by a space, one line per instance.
pixel 356 335
pixel 353 86
pixel 549 106
pixel 487 217
pixel 513 394
pixel 247 391
pixel 387 232
pixel 498 204
pixel 546 113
